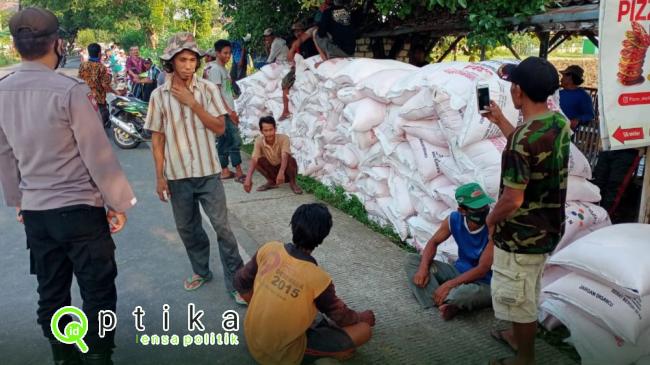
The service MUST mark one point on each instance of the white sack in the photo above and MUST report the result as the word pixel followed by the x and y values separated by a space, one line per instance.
pixel 378 84
pixel 364 114
pixel 626 316
pixel 595 344
pixel 427 130
pixel 419 107
pixel 581 219
pixel 579 189
pixel 360 68
pixel 616 254
pixel 349 95
pixel 427 157
pixel 578 164
pixel 399 191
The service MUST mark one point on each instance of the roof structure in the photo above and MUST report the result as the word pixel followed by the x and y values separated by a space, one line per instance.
pixel 566 15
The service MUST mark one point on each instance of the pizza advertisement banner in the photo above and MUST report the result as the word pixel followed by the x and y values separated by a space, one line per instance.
pixel 624 73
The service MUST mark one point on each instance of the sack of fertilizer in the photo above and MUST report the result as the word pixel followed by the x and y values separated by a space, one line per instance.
pixel 457 106
pixel 399 191
pixel 578 164
pixel 388 132
pixel 396 220
pixel 427 130
pixel 419 107
pixel 421 229
pixel 579 189
pixel 581 219
pixel 595 344
pixel 625 316
pixel 403 90
pixel 427 157
pixel 364 114
pixel 428 208
pixel 359 69
pixel 378 84
pixel 616 255
pixel 479 162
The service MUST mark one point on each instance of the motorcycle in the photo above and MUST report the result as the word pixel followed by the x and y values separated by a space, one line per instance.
pixel 127 117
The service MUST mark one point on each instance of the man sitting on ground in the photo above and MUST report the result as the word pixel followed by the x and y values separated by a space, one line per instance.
pixel 466 284
pixel 287 291
pixel 272 158
pixel 304 45
pixel 335 37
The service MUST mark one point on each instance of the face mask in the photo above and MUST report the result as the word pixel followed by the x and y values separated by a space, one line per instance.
pixel 478 216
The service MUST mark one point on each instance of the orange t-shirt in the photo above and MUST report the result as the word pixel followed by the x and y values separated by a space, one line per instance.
pixel 282 307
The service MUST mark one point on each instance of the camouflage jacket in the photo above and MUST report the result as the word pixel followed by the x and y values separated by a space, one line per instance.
pixel 536 160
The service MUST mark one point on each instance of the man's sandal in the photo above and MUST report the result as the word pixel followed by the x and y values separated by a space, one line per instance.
pixel 498 335
pixel 266 187
pixel 190 282
pixel 296 190
pixel 240 179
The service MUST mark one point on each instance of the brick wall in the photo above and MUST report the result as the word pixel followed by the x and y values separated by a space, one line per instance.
pixel 364 50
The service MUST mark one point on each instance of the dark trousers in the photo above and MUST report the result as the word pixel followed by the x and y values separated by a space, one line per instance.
pixel 66 241
pixel 270 172
pixel 105 115
pixel 186 195
pixel 229 145
pixel 610 171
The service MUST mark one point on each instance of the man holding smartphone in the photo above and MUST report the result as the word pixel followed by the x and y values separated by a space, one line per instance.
pixel 528 220
pixel 185 116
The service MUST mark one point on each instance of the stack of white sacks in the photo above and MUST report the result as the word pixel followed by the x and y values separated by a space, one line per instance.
pixel 599 288
pixel 401 138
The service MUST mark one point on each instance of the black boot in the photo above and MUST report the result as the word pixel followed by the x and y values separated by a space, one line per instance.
pixel 65 354
pixel 103 358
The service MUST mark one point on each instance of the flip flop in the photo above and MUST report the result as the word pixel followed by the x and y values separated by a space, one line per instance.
pixel 187 284
pixel 241 179
pixel 266 187
pixel 498 335
pixel 296 190
pixel 228 177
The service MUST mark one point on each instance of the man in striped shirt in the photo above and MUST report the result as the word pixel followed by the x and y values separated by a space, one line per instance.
pixel 185 115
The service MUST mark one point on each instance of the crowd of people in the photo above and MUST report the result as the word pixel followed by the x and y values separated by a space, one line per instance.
pixel 62 178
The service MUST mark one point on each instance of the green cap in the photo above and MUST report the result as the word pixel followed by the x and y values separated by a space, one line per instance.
pixel 472 196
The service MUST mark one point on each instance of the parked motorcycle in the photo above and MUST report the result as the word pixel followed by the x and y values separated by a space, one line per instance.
pixel 127 117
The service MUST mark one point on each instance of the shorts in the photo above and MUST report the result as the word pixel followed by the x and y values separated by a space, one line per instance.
pixel 289 79
pixel 331 49
pixel 516 285
pixel 325 339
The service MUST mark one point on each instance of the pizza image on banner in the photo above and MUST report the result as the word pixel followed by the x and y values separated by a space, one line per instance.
pixel 624 95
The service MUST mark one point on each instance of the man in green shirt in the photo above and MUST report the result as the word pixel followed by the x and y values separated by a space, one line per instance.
pixel 528 220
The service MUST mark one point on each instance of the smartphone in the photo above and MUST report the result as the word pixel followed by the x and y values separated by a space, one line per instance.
pixel 483 95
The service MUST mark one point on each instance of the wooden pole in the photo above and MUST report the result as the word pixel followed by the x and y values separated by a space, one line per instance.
pixel 543 44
